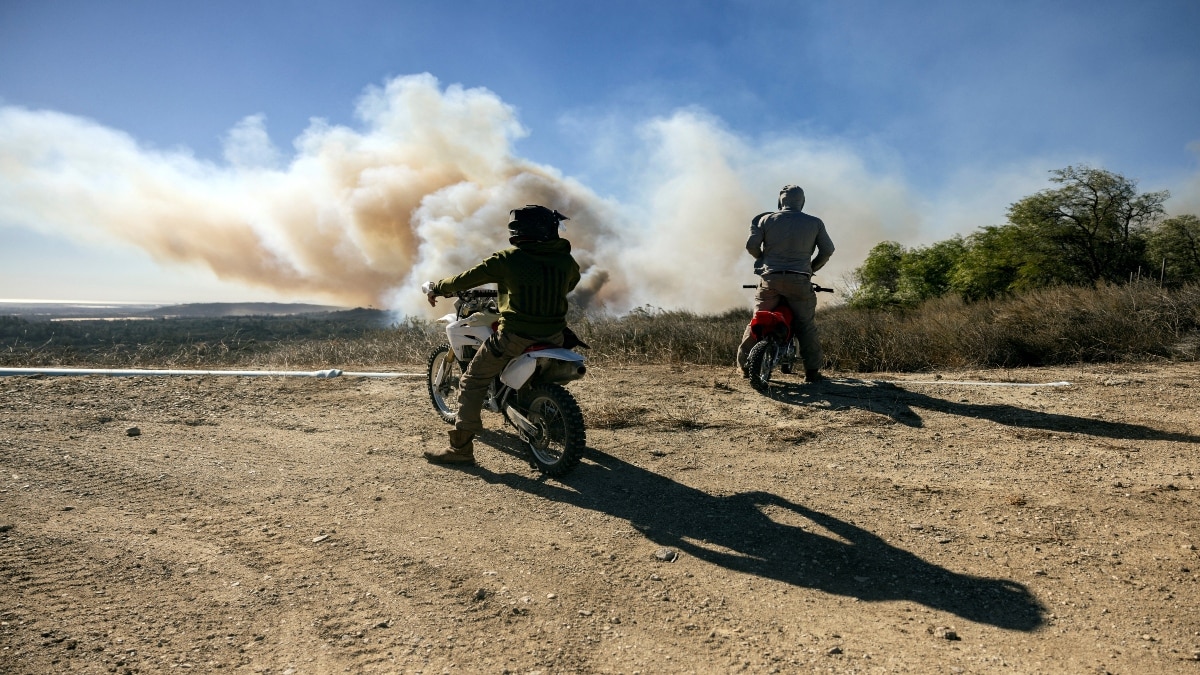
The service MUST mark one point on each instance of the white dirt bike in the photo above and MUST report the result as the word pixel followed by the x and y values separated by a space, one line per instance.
pixel 528 393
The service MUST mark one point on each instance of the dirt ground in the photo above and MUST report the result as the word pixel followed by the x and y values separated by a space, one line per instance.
pixel 896 523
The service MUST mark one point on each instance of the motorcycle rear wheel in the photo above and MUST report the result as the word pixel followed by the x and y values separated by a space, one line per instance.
pixel 561 437
pixel 759 363
pixel 443 377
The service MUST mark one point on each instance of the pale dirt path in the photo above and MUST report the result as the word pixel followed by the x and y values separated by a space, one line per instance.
pixel 843 527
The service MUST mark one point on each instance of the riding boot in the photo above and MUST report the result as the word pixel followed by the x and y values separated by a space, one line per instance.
pixel 814 376
pixel 461 451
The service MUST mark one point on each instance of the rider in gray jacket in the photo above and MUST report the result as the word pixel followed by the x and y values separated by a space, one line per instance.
pixel 783 244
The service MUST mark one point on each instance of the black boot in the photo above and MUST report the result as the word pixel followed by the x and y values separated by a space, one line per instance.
pixel 814 376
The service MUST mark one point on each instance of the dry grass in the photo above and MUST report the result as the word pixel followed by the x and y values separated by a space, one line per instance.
pixel 1047 327
pixel 611 413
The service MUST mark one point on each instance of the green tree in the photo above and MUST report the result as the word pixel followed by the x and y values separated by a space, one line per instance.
pixel 926 272
pixel 1096 223
pixel 893 275
pixel 879 277
pixel 1175 247
pixel 999 260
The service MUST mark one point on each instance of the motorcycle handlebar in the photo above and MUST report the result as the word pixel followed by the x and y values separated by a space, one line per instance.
pixel 816 287
pixel 479 293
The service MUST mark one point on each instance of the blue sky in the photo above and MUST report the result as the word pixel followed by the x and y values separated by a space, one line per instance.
pixel 955 109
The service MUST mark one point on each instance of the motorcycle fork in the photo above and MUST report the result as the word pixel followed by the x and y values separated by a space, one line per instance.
pixel 789 353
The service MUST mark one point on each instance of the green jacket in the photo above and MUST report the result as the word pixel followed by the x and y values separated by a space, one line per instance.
pixel 533 279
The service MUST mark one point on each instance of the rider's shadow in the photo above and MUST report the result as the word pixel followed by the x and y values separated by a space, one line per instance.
pixel 890 399
pixel 804 548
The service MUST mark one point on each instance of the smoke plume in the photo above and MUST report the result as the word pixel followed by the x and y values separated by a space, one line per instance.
pixel 420 189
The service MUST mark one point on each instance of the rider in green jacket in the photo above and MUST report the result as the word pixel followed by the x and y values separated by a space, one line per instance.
pixel 533 279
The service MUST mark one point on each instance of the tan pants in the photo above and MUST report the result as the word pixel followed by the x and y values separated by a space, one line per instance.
pixel 489 362
pixel 797 290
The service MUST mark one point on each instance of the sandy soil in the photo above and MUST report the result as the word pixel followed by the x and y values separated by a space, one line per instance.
pixel 286 525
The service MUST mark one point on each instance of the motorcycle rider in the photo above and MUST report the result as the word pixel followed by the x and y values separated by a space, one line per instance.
pixel 782 244
pixel 533 279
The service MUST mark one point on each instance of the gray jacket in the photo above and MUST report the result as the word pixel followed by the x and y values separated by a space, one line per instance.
pixel 784 241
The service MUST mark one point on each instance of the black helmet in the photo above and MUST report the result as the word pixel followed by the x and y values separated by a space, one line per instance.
pixel 533 223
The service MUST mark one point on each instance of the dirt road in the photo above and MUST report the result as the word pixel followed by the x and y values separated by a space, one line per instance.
pixel 291 526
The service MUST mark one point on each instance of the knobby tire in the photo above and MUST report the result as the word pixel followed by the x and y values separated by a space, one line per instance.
pixel 444 394
pixel 562 437
pixel 759 364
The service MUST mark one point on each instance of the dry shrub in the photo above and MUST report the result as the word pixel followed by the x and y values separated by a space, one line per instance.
pixel 1046 327
pixel 781 438
pixel 608 413
pixel 648 335
pixel 687 414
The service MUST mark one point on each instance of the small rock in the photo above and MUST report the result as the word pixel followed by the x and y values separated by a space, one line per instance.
pixel 5 527
pixel 943 540
pixel 585 612
pixel 384 624
pixel 916 526
pixel 68 508
pixel 133 431
pixel 1040 573
pixel 835 650
pixel 666 555
pixel 154 530
pixel 320 538
pixel 945 632
pixel 551 596
pixel 481 594
pixel 1188 547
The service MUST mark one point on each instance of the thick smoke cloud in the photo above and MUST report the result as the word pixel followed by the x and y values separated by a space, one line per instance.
pixel 421 189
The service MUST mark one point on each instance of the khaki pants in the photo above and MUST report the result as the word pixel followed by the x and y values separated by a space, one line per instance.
pixel 489 362
pixel 797 290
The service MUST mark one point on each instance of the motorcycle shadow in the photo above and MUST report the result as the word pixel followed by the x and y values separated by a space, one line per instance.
pixel 768 536
pixel 892 400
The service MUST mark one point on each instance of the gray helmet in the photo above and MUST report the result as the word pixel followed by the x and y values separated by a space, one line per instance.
pixel 533 223
pixel 791 196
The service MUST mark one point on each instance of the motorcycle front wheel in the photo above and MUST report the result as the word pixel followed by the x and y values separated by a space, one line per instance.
pixel 759 364
pixel 443 377
pixel 560 439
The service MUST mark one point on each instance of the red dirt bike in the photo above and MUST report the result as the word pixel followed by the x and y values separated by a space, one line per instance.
pixel 776 346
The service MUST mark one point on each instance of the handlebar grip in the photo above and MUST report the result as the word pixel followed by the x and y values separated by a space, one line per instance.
pixel 479 293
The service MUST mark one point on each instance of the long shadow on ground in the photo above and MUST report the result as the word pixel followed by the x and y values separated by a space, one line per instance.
pixel 735 532
pixel 887 398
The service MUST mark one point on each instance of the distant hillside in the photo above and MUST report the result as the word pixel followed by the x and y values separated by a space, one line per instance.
pixel 220 309
pixel 49 311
